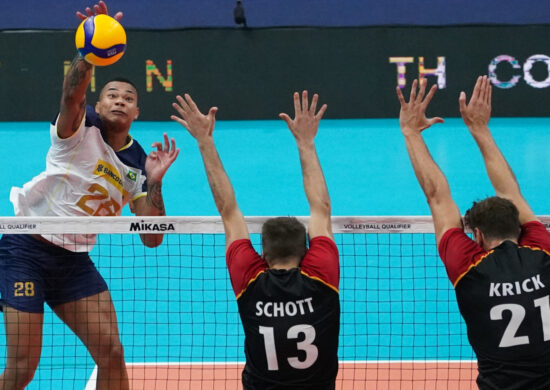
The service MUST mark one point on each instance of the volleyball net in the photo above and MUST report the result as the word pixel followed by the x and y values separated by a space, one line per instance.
pixel 179 323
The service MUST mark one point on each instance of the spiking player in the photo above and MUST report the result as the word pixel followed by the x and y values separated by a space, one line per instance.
pixel 288 296
pixel 93 167
pixel 502 277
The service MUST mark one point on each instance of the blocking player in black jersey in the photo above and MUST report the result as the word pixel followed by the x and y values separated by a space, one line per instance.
pixel 502 276
pixel 288 296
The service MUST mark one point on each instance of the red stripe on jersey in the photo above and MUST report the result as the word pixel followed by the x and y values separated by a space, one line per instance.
pixel 250 281
pixel 535 248
pixel 322 262
pixel 322 281
pixel 460 253
pixel 534 234
pixel 244 265
pixel 471 266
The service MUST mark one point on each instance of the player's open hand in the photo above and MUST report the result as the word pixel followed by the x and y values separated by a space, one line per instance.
pixel 159 160
pixel 99 8
pixel 200 126
pixel 306 122
pixel 412 116
pixel 477 112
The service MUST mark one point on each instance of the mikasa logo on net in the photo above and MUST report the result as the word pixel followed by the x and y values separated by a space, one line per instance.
pixel 143 226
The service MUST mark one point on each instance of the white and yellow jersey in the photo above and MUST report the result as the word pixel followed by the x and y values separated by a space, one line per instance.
pixel 84 176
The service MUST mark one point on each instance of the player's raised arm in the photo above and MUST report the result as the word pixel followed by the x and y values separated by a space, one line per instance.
pixel 201 127
pixel 75 84
pixel 73 97
pixel 413 120
pixel 476 115
pixel 304 128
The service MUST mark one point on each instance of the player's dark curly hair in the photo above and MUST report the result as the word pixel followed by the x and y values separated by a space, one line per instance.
pixel 283 237
pixel 496 217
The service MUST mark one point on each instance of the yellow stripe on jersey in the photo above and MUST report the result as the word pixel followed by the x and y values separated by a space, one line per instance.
pixel 139 196
pixel 248 284
pixel 471 266
pixel 109 173
pixel 322 281
pixel 535 248
pixel 130 142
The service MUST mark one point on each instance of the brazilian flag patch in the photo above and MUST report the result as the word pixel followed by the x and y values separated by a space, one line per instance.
pixel 132 175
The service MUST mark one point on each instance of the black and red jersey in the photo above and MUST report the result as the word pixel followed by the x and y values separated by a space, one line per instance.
pixel 291 318
pixel 504 297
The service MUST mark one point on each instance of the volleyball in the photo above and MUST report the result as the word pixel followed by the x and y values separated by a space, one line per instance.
pixel 100 40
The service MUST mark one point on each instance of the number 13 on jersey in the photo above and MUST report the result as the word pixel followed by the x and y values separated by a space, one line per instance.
pixel 295 332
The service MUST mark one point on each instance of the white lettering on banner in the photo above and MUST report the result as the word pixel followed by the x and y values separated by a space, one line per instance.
pixel 439 71
pixel 376 226
pixel 527 67
pixel 22 226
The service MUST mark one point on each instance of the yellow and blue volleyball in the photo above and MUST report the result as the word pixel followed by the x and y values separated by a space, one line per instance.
pixel 100 40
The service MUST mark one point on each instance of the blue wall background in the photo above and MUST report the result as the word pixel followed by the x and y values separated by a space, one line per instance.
pixel 166 14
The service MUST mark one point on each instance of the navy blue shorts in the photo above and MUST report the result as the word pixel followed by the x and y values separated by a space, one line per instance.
pixel 33 272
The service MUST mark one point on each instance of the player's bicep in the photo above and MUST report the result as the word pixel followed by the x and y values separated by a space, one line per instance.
pixel 525 212
pixel 445 216
pixel 235 227
pixel 70 116
pixel 320 223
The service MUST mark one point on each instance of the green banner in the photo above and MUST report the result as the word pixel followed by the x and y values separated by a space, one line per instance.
pixel 250 74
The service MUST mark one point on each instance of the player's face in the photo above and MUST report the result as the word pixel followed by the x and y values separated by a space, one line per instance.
pixel 117 104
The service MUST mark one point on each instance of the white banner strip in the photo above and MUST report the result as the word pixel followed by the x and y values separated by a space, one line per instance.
pixel 205 224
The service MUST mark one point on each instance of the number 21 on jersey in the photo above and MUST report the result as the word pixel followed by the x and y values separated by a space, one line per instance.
pixel 509 338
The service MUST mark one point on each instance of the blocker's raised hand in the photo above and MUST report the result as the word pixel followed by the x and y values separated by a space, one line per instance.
pixel 99 8
pixel 477 112
pixel 159 160
pixel 412 116
pixel 200 126
pixel 305 124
